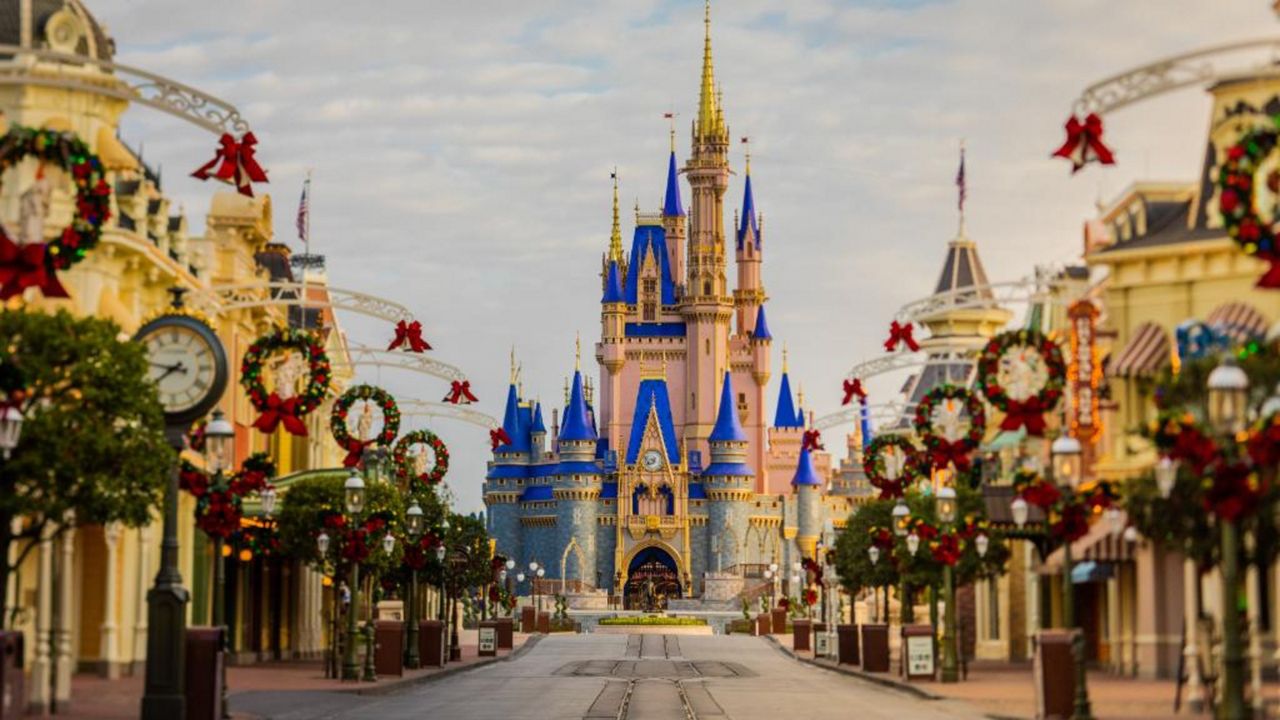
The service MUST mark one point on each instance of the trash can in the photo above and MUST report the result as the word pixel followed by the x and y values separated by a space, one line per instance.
pixel 12 687
pixel 1054 674
pixel 488 642
pixel 762 624
pixel 800 629
pixel 204 674
pixel 388 647
pixel 544 623
pixel 431 643
pixel 847 645
pixel 506 633
pixel 778 620
pixel 528 620
pixel 875 648
pixel 918 656
pixel 821 640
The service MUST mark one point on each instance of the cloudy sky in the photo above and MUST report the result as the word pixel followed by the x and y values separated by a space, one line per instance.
pixel 461 150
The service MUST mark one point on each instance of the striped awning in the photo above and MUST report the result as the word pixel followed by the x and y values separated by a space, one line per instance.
pixel 1100 545
pixel 1146 353
pixel 1239 321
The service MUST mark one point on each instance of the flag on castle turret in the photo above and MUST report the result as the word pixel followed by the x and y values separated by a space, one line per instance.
pixel 960 182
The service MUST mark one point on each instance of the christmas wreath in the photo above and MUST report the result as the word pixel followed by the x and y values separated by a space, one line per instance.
pixel 404 465
pixel 338 421
pixel 941 449
pixel 1237 200
pixel 35 264
pixel 1025 411
pixel 275 409
pixel 878 468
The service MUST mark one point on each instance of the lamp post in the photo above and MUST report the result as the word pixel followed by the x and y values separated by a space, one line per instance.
pixel 533 583
pixel 1066 454
pixel 331 664
pixel 370 625
pixel 219 440
pixel 901 514
pixel 873 554
pixel 353 499
pixel 10 430
pixel 457 561
pixel 1228 395
pixel 511 566
pixel 945 503
pixel 413 530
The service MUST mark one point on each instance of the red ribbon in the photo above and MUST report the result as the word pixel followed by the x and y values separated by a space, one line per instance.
pixel 411 334
pixel 459 392
pixel 1271 278
pixel 813 440
pixel 853 388
pixel 235 162
pixel 947 451
pixel 1084 143
pixel 1029 413
pixel 281 411
pixel 901 333
pixel 355 452
pixel 499 437
pixel 25 266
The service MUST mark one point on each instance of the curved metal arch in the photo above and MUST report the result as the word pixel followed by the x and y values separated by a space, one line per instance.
pixel 904 361
pixel 220 298
pixel 888 411
pixel 448 411
pixel 415 362
pixel 980 297
pixel 133 85
pixel 1173 73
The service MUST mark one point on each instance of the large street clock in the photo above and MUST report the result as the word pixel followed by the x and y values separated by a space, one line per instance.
pixel 188 366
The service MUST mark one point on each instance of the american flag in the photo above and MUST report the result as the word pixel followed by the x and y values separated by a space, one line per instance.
pixel 304 212
pixel 960 184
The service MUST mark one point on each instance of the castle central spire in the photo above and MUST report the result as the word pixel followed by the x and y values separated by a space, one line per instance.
pixel 710 121
pixel 615 239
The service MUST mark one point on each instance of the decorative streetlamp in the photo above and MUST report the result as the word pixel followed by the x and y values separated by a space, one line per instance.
pixel 1166 476
pixel 10 430
pixel 353 495
pixel 511 566
pixel 945 504
pixel 1228 395
pixel 901 516
pixel 873 554
pixel 1066 455
pixel 219 449
pixel 413 522
pixel 370 625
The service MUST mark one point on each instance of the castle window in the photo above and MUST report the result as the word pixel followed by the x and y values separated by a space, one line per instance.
pixel 650 285
pixel 706 288
pixel 650 313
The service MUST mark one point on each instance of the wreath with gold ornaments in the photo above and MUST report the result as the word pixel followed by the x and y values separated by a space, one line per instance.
pixel 1026 407
pixel 275 409
pixel 886 473
pixel 943 450
pixel 35 263
pixel 1238 198
pixel 403 461
pixel 338 421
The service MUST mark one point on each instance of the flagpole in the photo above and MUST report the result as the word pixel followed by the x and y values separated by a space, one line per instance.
pixel 306 244
pixel 962 189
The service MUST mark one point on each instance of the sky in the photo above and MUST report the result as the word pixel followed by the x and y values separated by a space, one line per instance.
pixel 461 151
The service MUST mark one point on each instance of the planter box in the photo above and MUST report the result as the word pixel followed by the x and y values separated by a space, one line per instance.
pixel 848 645
pixel 778 620
pixel 800 634
pixel 875 648
pixel 762 624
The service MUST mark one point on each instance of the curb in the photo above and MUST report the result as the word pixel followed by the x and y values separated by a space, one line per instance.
pixel 393 687
pixel 874 678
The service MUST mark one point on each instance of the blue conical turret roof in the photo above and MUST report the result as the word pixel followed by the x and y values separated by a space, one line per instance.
pixel 538 425
pixel 728 428
pixel 577 425
pixel 801 418
pixel 613 285
pixel 785 416
pixel 748 216
pixel 761 331
pixel 805 474
pixel 671 207
pixel 513 424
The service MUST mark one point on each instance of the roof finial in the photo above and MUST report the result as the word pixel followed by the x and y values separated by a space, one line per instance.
pixel 800 394
pixel 746 144
pixel 672 117
pixel 784 358
pixel 577 351
pixel 514 371
pixel 707 111
pixel 615 239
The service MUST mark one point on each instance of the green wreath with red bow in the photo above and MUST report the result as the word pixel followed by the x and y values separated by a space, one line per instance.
pixel 36 264
pixel 404 466
pixel 942 451
pixel 274 409
pixel 1238 204
pixel 873 465
pixel 338 421
pixel 1028 412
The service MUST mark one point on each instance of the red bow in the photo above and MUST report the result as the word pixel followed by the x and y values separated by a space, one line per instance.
pixel 498 437
pixel 851 388
pixel 410 333
pixel 24 266
pixel 813 440
pixel 281 411
pixel 1029 413
pixel 1271 278
pixel 236 164
pixel 459 392
pixel 951 452
pixel 355 452
pixel 1084 143
pixel 901 333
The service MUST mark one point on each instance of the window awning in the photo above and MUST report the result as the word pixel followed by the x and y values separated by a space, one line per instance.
pixel 1145 354
pixel 1100 546
pixel 1238 321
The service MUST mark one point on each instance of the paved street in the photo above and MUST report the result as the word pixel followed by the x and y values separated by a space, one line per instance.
pixel 650 677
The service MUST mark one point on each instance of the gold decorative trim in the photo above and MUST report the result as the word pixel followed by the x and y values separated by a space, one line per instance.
pixel 697 521
pixel 539 521
pixel 729 494
pixel 501 497
pixel 607 520
pixel 771 521
pixel 576 493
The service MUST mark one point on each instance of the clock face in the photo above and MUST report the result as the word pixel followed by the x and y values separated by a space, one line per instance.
pixel 187 364
pixel 652 460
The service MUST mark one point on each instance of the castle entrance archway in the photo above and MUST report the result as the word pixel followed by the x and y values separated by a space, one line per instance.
pixel 653 578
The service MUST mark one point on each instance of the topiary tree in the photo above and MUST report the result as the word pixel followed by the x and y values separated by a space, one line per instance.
pixel 93 448
pixel 313 504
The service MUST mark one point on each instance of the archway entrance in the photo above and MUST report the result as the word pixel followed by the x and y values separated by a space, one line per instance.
pixel 653 578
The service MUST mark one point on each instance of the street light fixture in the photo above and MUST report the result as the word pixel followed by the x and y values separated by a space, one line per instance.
pixel 981 543
pixel 388 543
pixel 1166 476
pixel 353 493
pixel 1020 511
pixel 873 553
pixel 413 526
pixel 10 430
pixel 1066 452
pixel 913 544
pixel 945 504
pixel 322 543
pixel 1228 397
pixel 946 499
pixel 219 436
pixel 219 451
pixel 900 514
pixel 268 498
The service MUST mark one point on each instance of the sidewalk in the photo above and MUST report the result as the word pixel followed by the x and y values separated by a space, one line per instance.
pixel 96 698
pixel 1004 690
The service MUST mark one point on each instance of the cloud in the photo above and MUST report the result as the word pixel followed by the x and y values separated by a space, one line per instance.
pixel 461 151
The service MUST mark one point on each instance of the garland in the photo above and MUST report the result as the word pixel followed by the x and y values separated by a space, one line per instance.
pixel 218 513
pixel 1072 509
pixel 1263 444
pixel 941 450
pixel 1236 199
pixel 338 421
pixel 946 549
pixel 1028 412
pixel 36 264
pixel 404 466
pixel 417 555
pixel 873 465
pixel 273 408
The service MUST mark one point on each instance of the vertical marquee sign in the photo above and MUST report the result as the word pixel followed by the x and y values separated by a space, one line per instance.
pixel 1084 372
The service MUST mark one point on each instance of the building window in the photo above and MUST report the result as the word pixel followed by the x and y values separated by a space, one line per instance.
pixel 650 285
pixel 993 608
pixel 693 401
pixel 707 344
pixel 650 313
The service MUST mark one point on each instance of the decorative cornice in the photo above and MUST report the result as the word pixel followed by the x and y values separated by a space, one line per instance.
pixel 494 498
pixel 576 493
pixel 771 521
pixel 730 495
pixel 539 521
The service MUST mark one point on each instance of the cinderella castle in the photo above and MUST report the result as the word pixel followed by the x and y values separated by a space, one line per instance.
pixel 670 480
